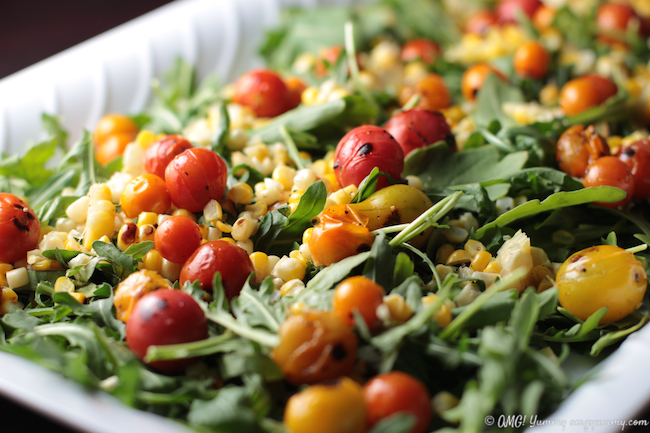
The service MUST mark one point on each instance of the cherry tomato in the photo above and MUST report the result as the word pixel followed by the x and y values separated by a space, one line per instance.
pixel 158 156
pixel 20 229
pixel 422 49
pixel 397 392
pixel 614 19
pixel 262 90
pixel 218 256
pixel 134 287
pixel 296 86
pixel 531 60
pixel 336 406
pixel 112 147
pixel 146 193
pixel 177 238
pixel 543 17
pixel 637 158
pixel 475 76
pixel 363 149
pixel 585 92
pixel 610 171
pixel 432 90
pixel 328 57
pixel 417 128
pixel 315 346
pixel 601 276
pixel 164 317
pixel 481 21
pixel 578 147
pixel 361 294
pixel 506 9
pixel 112 124
pixel 194 177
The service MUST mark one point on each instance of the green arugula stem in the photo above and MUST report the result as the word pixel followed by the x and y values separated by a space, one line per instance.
pixel 291 147
pixel 637 249
pixel 351 54
pixel 227 321
pixel 426 260
pixel 187 350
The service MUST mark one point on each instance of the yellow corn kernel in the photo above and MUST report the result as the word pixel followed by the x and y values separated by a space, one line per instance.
pixel 77 211
pixel 295 254
pixel 4 268
pixel 79 297
pixel 170 270
pixel 284 175
pixel 480 261
pixel 146 232
pixel 473 247
pixel 212 212
pixel 146 138
pixel 309 96
pixel 72 245
pixel 153 260
pixel 261 265
pixel 455 234
pixel 307 234
pixel 305 252
pixel 458 257
pixel 101 215
pixel 246 245
pixel 224 227
pixel 231 240
pixel 443 315
pixel 292 287
pixel 43 265
pixel 289 269
pixel 443 253
pixel 204 231
pixel 127 236
pixel 294 198
pixel 185 212
pixel 240 193
pixel 257 209
pixel 444 401
pixel 297 308
pixel 64 284
pixel 8 298
pixel 399 310
pixel 444 270
pixel 45 230
pixel 493 267
pixel 147 218
pixel 213 234
pixel 549 94
pixel 244 228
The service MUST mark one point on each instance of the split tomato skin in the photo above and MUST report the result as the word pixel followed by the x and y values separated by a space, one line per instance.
pixel 263 91
pixel 578 147
pixel 158 156
pixel 177 238
pixel 363 149
pixel 637 158
pixel 165 317
pixel 417 128
pixel 194 177
pixel 20 229
pixel 220 256
pixel 610 171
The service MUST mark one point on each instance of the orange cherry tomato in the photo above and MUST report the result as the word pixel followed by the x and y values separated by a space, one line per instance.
pixel 315 346
pixel 474 77
pixel 432 90
pixel 396 392
pixel 422 49
pixel 543 17
pixel 177 238
pixel 585 92
pixel 360 294
pixel 637 158
pixel 20 229
pixel 146 193
pixel 578 147
pixel 112 147
pixel 610 171
pixel 158 156
pixel 262 90
pixel 296 86
pixel 481 21
pixel 112 124
pixel 531 60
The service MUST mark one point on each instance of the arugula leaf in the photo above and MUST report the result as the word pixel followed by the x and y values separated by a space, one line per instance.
pixel 55 208
pixel 489 103
pixel 52 125
pixel 222 134
pixel 367 187
pixel 311 204
pixel 31 166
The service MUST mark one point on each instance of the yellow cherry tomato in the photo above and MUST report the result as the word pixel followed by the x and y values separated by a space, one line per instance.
pixel 325 408
pixel 601 276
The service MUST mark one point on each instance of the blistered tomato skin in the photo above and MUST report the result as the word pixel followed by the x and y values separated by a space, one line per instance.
pixel 315 346
pixel 360 294
pixel 146 193
pixel 601 276
pixel 194 177
pixel 395 392
pixel 637 158
pixel 336 406
pixel 578 147
pixel 158 156
pixel 177 238
pixel 262 90
pixel 20 229
pixel 134 287
pixel 164 317
pixel 218 256
pixel 363 149
pixel 610 171
pixel 422 49
pixel 417 128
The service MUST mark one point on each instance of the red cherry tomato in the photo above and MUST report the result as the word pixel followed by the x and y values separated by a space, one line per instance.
pixel 614 18
pixel 422 49
pixel 19 229
pixel 177 238
pixel 363 149
pixel 396 392
pixel 218 256
pixel 263 91
pixel 194 177
pixel 418 128
pixel 610 171
pixel 481 21
pixel 164 317
pixel 158 156
pixel 506 9
pixel 637 158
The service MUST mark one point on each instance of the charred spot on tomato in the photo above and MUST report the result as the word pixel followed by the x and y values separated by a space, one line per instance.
pixel 314 221
pixel 365 149
pixel 153 307
pixel 339 352
pixel 627 152
pixel 575 258
pixel 362 248
pixel 21 224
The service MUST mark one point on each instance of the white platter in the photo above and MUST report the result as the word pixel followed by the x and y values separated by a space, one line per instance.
pixel 112 73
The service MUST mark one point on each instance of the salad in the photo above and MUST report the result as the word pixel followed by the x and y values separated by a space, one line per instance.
pixel 408 222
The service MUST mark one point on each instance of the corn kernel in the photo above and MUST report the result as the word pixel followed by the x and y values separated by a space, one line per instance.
pixel 467 294
pixel 43 265
pixel 307 234
pixel 443 253
pixel 297 308
pixel 458 257
pixel 147 218
pixel 288 269
pixel 444 270
pixel 127 236
pixel 8 298
pixel 72 245
pixel 261 265
pixel 480 260
pixel 17 278
pixel 153 260
pixel 399 310
pixel 4 268
pixel 455 234
pixel 213 234
pixel 65 225
pixel 78 210
pixel 292 287
pixel 244 228
pixel 224 227
pixel 473 247
pixel 170 270
pixel 415 182
pixel 146 232
pixel 231 240
pixel 257 209
pixel 185 212
pixel 493 267
pixel 64 284
pixel 443 315
pixel 212 212
pixel 246 245
pixel 240 193
pixel 79 297
pixel 305 252
pixel 284 175
pixel 444 401
pixel 146 138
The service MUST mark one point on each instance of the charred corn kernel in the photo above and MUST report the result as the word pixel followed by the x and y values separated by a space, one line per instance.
pixel 473 247
pixel 146 138
pixel 305 252
pixel 444 401
pixel 240 193
pixel 147 218
pixel 493 267
pixel 170 270
pixel 292 287
pixel 444 270
pixel 443 315
pixel 72 245
pixel 212 212
pixel 467 294
pixel 307 234
pixel 297 308
pixel 185 212
pixel 246 245
pixel 244 228
pixel 127 236
pixel 8 298
pixel 289 268
pixel 78 210
pixel 79 297
pixel 64 284
pixel 455 234
pixel 134 287
pixel 284 175
pixel 17 278
pixel 399 310
pixel 261 265
pixel 4 268
pixel 480 260
pixel 458 257
pixel 43 265
pixel 257 209
pixel 153 260
pixel 224 227
pixel 65 225
pixel 146 232
pixel 443 253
